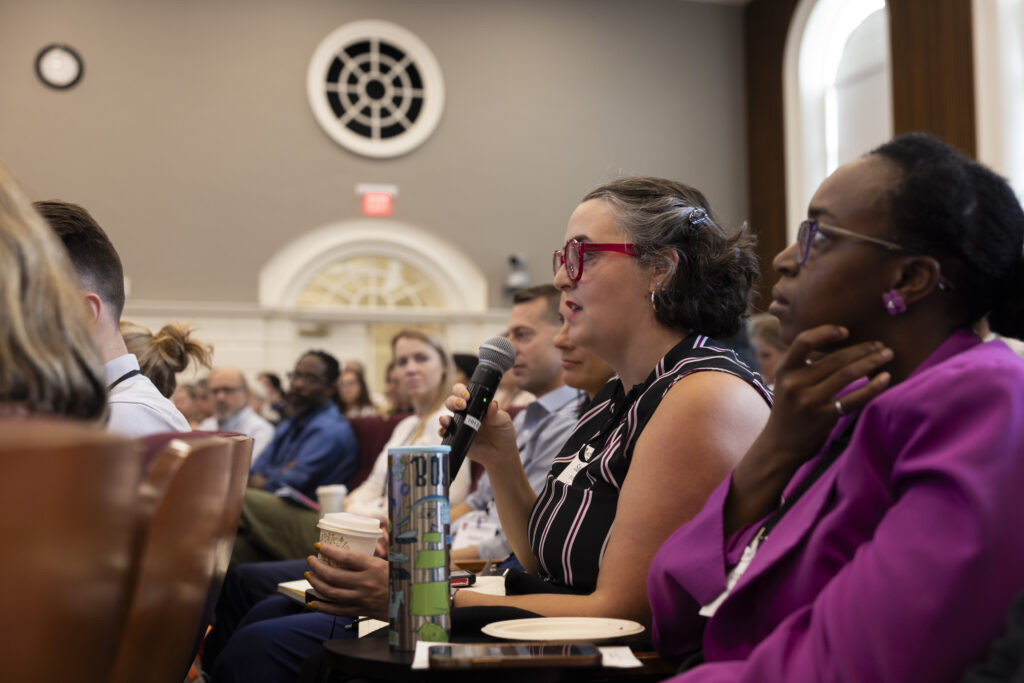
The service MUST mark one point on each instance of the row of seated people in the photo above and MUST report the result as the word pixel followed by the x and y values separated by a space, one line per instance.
pixel 893 438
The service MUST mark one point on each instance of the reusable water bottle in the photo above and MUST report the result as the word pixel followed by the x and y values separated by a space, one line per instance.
pixel 420 543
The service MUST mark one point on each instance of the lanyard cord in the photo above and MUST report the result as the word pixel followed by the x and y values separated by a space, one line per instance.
pixel 835 449
pixel 127 375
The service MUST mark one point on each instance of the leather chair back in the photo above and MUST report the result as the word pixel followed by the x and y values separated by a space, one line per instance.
pixel 70 530
pixel 179 559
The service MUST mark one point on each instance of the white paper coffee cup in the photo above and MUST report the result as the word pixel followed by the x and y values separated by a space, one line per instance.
pixel 331 498
pixel 349 531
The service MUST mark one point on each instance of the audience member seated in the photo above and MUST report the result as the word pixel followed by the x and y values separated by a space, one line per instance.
pixel 184 399
pixel 231 412
pixel 203 400
pixel 768 345
pixel 509 395
pixel 354 396
pixel 661 275
pixel 895 443
pixel 137 408
pixel 48 359
pixel 164 354
pixel 582 369
pixel 313 447
pixel 424 371
pixel 648 274
pixel 395 402
pixel 276 407
pixel 465 366
pixel 542 426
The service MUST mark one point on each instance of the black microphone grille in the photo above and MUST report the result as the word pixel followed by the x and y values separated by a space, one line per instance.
pixel 498 352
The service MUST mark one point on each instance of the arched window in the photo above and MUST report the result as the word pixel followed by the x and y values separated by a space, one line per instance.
pixel 373 266
pixel 837 92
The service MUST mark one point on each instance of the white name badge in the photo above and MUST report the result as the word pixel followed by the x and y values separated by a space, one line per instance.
pixel 572 469
pixel 472 529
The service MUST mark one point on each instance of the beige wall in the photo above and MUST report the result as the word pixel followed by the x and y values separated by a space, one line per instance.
pixel 191 140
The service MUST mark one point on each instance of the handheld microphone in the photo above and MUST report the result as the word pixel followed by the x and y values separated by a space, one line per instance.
pixel 496 356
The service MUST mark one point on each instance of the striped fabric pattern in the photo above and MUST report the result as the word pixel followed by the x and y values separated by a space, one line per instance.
pixel 570 522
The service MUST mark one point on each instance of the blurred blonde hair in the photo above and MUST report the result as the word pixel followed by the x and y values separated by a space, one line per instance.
pixel 166 353
pixel 48 357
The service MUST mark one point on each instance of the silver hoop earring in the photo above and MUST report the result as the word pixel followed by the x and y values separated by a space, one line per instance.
pixel 654 304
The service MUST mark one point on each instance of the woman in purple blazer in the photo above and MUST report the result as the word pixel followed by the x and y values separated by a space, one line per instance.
pixel 896 443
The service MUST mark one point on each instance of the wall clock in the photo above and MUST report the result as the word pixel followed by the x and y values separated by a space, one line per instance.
pixel 59 66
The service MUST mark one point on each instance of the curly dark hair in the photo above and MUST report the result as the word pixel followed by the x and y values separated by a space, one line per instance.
pixel 967 217
pixel 332 370
pixel 709 290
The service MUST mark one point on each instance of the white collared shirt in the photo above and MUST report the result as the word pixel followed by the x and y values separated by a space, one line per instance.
pixel 137 408
pixel 247 422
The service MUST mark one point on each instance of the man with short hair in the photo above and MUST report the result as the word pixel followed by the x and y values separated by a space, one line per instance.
pixel 231 412
pixel 315 446
pixel 542 427
pixel 137 408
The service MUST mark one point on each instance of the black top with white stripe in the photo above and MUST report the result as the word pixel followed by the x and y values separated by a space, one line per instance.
pixel 572 518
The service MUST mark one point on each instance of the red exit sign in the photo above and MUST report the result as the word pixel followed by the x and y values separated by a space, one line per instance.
pixel 376 200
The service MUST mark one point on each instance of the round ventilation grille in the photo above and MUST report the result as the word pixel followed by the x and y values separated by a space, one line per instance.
pixel 375 88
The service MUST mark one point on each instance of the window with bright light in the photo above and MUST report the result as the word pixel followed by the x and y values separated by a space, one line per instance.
pixel 837 91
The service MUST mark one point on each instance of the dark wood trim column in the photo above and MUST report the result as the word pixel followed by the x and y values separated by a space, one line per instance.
pixel 765 25
pixel 932 47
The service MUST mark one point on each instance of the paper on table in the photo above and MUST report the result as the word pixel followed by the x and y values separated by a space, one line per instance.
pixel 612 656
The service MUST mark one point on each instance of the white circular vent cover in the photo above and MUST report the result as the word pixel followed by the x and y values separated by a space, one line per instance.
pixel 375 88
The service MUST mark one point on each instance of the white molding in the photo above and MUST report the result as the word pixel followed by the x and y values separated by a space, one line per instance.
pixel 461 283
pixel 186 310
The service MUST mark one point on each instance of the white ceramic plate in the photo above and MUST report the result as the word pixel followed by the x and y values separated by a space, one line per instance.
pixel 563 629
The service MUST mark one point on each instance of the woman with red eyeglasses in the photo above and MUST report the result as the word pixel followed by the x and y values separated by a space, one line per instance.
pixel 649 279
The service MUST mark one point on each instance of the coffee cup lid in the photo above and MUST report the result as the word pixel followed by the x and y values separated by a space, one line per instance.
pixel 331 488
pixel 350 522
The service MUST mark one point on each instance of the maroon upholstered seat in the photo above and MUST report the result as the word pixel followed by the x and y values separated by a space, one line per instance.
pixel 371 434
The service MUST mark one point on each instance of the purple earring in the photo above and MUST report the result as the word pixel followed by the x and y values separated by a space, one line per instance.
pixel 894 303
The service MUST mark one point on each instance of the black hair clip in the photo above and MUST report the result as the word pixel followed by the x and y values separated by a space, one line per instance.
pixel 698 216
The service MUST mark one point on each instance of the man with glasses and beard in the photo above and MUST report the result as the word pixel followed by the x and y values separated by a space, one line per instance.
pixel 231 412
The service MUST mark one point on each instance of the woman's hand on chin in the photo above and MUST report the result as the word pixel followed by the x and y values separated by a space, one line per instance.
pixel 496 438
pixel 805 410
pixel 803 414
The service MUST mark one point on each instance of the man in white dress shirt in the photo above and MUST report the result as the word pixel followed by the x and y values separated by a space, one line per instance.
pixel 231 412
pixel 137 408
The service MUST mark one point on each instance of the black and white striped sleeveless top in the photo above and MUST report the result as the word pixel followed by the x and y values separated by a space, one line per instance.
pixel 572 518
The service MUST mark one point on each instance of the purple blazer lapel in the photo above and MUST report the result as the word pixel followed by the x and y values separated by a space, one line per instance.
pixel 795 526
